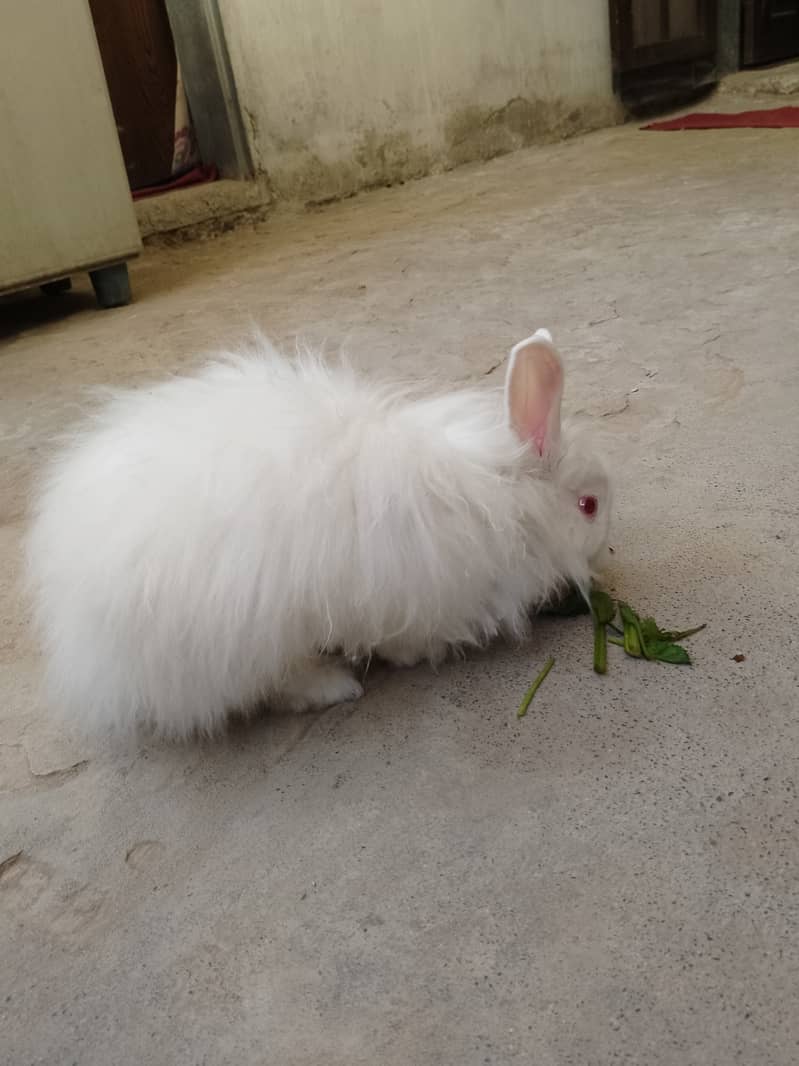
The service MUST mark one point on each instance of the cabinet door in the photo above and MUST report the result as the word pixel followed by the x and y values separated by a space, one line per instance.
pixel 65 204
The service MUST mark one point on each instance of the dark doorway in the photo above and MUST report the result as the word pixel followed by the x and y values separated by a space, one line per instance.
pixel 663 50
pixel 770 31
pixel 140 66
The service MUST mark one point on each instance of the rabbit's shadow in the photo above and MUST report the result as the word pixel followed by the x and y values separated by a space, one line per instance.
pixel 464 709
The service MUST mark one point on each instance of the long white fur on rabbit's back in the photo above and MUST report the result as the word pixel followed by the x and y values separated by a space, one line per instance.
pixel 202 542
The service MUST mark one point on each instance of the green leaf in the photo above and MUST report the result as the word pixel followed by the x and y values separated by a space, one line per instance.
pixel 665 652
pixel 681 634
pixel 641 638
pixel 660 650
pixel 528 697
pixel 652 631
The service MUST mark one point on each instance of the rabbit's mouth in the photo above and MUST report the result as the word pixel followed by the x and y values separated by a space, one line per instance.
pixel 599 561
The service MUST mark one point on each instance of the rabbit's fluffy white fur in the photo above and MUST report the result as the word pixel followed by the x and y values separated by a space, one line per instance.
pixel 245 534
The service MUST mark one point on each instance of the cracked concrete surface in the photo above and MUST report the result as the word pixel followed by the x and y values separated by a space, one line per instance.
pixel 421 878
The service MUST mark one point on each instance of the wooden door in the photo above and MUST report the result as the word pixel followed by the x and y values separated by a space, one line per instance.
pixel 770 31
pixel 662 48
pixel 141 71
pixel 648 33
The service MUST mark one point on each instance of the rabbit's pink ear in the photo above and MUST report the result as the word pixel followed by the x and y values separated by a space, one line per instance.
pixel 533 388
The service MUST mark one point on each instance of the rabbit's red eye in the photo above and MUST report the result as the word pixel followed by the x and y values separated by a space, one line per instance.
pixel 588 505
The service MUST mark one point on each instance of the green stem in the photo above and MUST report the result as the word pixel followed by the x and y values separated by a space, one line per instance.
pixel 641 639
pixel 600 648
pixel 631 643
pixel 528 698
pixel 634 643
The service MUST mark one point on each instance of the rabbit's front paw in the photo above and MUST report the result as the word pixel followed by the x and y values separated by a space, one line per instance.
pixel 319 685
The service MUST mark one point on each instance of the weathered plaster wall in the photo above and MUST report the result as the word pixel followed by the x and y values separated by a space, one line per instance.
pixel 342 94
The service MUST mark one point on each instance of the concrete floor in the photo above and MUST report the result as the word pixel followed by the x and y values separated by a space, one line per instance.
pixel 420 878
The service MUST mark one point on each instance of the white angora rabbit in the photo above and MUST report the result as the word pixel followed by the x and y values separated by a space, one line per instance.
pixel 245 534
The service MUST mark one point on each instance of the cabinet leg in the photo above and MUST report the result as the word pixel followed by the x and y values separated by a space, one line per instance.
pixel 111 285
pixel 54 288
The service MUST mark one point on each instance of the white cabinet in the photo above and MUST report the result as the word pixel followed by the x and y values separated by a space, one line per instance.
pixel 65 204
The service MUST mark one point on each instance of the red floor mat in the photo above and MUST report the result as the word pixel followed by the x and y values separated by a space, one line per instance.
pixel 777 118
